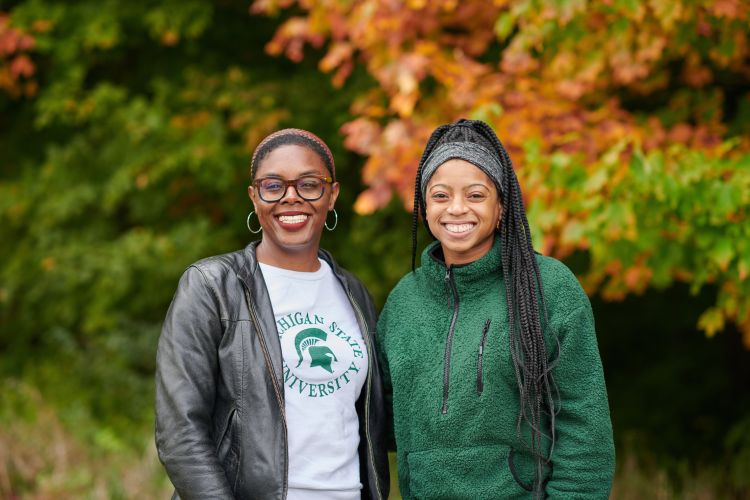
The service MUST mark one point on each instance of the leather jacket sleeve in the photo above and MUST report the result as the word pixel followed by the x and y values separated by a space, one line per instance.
pixel 186 371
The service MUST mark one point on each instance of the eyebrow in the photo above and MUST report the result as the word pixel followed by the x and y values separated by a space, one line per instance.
pixel 303 174
pixel 446 186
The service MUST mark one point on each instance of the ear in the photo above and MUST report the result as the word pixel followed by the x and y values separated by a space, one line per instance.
pixel 334 195
pixel 252 194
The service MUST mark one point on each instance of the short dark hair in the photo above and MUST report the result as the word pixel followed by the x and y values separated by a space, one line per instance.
pixel 295 136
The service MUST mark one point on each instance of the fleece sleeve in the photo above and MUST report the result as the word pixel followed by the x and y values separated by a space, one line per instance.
pixel 583 458
pixel 386 374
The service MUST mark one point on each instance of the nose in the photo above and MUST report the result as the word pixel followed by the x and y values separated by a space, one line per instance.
pixel 457 205
pixel 290 195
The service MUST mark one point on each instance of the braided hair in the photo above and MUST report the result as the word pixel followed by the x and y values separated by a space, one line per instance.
pixel 527 314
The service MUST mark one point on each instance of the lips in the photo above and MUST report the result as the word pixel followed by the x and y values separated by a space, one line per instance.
pixel 459 227
pixel 292 220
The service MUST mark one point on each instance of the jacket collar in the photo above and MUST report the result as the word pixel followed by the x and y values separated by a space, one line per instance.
pixel 467 277
pixel 249 266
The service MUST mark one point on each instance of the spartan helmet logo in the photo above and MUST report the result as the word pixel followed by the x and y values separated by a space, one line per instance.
pixel 320 355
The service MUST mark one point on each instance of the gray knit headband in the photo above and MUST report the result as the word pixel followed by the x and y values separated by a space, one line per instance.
pixel 487 161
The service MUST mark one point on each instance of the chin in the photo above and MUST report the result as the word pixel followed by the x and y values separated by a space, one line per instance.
pixel 298 242
pixel 457 248
pixel 462 248
pixel 450 241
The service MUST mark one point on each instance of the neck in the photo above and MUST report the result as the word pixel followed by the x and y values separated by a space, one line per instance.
pixel 468 256
pixel 303 259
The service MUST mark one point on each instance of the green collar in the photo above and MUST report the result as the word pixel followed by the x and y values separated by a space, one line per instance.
pixel 467 277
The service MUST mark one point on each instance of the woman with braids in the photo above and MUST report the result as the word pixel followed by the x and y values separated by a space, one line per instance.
pixel 267 386
pixel 489 348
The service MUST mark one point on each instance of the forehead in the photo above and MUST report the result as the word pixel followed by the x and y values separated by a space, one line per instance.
pixel 459 173
pixel 291 161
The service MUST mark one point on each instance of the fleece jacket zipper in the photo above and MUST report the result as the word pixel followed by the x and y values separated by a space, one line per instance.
pixel 449 341
pixel 480 358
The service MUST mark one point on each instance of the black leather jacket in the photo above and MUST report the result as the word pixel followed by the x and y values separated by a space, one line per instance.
pixel 220 423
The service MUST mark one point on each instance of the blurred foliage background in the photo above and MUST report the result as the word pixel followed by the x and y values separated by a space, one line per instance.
pixel 125 135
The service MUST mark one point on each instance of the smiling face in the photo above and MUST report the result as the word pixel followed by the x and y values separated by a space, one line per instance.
pixel 463 209
pixel 292 226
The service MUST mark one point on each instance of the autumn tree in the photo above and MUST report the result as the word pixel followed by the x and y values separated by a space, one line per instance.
pixel 627 121
pixel 126 130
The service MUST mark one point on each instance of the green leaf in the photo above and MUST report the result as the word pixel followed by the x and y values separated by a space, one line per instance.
pixel 722 253
pixel 504 25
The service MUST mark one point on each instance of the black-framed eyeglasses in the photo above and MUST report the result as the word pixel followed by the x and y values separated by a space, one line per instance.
pixel 308 187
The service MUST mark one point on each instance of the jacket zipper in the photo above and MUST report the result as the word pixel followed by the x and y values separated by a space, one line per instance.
pixel 276 390
pixel 480 358
pixel 371 352
pixel 449 341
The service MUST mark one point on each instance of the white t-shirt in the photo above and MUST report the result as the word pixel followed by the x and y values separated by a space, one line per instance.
pixel 324 367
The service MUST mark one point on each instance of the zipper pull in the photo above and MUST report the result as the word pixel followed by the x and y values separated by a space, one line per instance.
pixel 447 281
pixel 485 329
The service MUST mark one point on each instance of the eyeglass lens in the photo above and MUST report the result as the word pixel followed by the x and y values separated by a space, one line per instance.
pixel 308 188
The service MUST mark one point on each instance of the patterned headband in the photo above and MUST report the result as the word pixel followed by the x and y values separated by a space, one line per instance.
pixel 298 132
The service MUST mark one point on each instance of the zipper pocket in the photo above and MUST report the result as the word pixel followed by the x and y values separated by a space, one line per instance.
pixel 480 358
pixel 514 473
pixel 225 430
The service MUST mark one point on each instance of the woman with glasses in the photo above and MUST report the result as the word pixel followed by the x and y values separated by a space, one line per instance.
pixel 266 383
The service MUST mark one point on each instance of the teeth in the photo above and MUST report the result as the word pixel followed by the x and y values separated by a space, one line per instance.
pixel 292 219
pixel 459 228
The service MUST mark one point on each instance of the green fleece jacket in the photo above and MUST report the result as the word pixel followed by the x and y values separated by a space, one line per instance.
pixel 455 407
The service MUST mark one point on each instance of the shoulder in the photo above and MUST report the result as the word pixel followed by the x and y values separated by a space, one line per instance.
pixel 358 289
pixel 349 278
pixel 405 293
pixel 218 266
pixel 561 287
pixel 214 273
pixel 406 285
